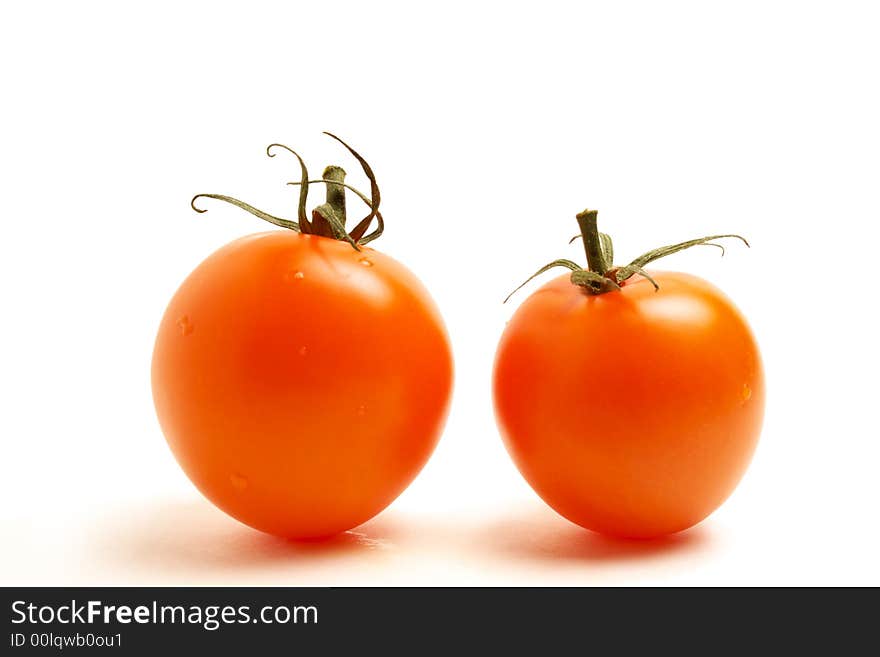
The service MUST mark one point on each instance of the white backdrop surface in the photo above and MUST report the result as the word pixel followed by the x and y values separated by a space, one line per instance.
pixel 489 126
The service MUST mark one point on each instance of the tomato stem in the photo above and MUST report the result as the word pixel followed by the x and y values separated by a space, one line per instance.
pixel 335 190
pixel 333 210
pixel 602 276
pixel 328 219
pixel 587 221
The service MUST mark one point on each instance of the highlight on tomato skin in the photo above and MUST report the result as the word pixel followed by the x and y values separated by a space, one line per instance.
pixel 631 405
pixel 301 378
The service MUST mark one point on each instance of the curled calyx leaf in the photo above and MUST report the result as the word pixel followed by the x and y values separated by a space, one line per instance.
pixel 328 219
pixel 601 275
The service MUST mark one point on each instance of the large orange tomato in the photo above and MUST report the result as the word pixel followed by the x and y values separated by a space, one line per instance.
pixel 631 402
pixel 300 382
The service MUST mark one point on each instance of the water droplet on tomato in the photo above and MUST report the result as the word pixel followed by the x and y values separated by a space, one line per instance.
pixel 184 325
pixel 365 262
pixel 303 350
pixel 238 481
pixel 362 410
pixel 746 392
pixel 294 276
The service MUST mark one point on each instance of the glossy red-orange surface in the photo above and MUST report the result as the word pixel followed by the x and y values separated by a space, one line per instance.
pixel 301 384
pixel 632 413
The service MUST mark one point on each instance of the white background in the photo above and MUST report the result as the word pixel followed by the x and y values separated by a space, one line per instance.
pixel 489 126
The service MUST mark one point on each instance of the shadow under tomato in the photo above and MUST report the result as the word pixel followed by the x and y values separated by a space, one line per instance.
pixel 193 537
pixel 540 535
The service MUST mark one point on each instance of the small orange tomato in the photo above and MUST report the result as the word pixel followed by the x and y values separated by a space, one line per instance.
pixel 631 401
pixel 302 383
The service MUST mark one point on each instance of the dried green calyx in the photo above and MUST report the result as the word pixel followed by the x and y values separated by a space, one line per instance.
pixel 328 219
pixel 601 275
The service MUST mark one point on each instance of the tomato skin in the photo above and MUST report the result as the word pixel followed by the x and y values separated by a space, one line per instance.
pixel 632 413
pixel 301 384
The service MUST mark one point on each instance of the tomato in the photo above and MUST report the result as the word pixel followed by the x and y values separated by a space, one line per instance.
pixel 301 383
pixel 633 412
